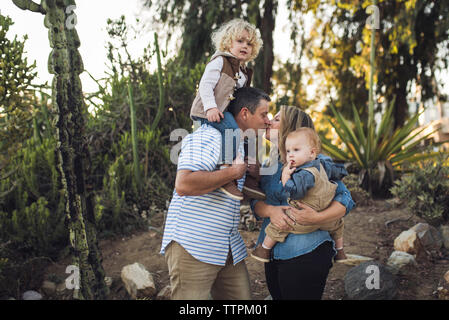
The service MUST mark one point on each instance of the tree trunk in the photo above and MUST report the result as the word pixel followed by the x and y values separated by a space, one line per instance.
pixel 263 70
pixel 401 105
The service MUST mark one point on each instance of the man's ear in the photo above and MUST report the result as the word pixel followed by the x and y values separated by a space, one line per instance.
pixel 244 112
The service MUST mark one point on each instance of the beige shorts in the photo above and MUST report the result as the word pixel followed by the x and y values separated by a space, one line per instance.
pixel 191 279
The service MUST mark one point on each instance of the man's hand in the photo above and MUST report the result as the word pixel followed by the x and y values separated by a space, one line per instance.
pixel 239 167
pixel 287 173
pixel 214 115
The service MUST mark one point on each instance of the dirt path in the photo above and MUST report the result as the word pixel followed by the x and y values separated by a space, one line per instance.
pixel 365 234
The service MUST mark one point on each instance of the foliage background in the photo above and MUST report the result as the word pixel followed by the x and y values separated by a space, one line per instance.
pixel 330 54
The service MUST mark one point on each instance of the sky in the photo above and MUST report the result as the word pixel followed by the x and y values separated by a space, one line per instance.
pixel 91 28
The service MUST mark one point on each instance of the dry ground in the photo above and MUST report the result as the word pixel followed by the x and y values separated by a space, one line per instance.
pixel 365 234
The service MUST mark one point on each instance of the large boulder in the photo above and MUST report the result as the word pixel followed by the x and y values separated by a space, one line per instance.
pixel 138 281
pixel 408 241
pixel 429 236
pixel 370 281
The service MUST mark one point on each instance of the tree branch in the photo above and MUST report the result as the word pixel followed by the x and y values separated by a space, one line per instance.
pixel 29 5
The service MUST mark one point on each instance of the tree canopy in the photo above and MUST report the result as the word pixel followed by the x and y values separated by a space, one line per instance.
pixel 199 18
pixel 411 35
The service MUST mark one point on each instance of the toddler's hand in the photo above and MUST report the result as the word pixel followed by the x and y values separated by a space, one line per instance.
pixel 213 115
pixel 287 173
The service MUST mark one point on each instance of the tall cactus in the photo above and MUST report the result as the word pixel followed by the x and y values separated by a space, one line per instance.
pixel 160 109
pixel 132 111
pixel 65 64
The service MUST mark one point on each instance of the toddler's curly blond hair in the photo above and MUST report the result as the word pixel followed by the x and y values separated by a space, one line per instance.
pixel 232 30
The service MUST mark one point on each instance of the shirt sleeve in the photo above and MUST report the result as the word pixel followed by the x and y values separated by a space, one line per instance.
pixel 209 81
pixel 200 151
pixel 299 184
pixel 334 171
pixel 343 196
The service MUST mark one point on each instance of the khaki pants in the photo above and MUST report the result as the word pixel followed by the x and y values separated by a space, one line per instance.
pixel 191 279
pixel 335 229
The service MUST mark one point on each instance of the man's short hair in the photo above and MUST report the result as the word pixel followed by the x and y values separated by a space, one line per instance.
pixel 248 97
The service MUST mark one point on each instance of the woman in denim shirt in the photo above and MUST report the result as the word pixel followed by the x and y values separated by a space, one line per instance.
pixel 300 265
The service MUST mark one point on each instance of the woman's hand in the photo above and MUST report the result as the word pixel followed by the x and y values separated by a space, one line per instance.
pixel 279 219
pixel 307 216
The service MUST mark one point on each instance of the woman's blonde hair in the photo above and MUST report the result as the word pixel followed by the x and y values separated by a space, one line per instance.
pixel 292 118
pixel 232 30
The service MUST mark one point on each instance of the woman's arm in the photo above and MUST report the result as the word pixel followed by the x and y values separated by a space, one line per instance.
pixel 276 215
pixel 308 216
pixel 339 207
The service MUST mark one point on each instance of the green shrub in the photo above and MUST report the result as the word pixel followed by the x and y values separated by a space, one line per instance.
pixel 425 190
pixel 32 206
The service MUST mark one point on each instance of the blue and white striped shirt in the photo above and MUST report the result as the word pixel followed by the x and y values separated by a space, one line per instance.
pixel 207 225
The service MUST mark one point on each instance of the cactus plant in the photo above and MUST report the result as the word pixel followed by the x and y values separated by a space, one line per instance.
pixel 132 111
pixel 65 64
pixel 160 109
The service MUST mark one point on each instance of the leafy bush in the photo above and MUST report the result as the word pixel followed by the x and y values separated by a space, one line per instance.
pixel 425 190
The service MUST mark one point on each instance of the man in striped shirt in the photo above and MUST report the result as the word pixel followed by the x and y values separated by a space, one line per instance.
pixel 202 245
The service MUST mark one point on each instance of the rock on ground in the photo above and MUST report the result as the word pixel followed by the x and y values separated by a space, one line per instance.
pixel 409 242
pixel 31 295
pixel 370 281
pixel 399 261
pixel 138 281
pixel 429 236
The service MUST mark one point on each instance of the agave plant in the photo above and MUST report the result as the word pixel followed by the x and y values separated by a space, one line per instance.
pixel 381 149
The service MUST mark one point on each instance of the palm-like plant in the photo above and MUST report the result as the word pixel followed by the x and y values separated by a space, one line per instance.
pixel 382 148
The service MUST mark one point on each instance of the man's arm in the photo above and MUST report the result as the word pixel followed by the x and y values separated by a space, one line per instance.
pixel 197 183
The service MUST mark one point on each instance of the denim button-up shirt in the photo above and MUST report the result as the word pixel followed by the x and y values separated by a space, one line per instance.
pixel 296 244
